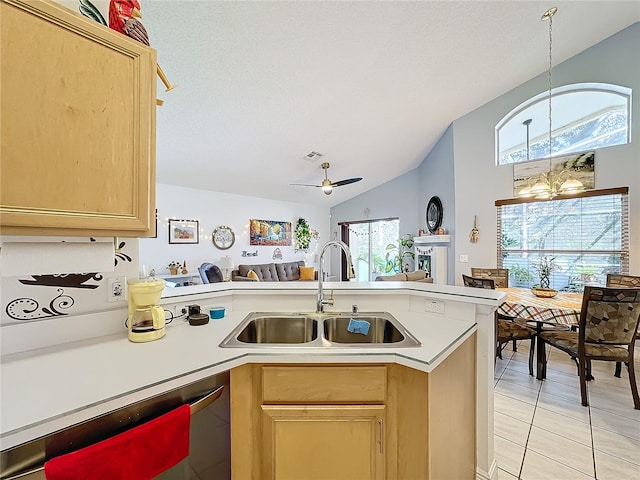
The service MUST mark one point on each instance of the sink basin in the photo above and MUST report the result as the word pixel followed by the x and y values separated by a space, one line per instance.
pixel 275 329
pixel 381 330
pixel 328 329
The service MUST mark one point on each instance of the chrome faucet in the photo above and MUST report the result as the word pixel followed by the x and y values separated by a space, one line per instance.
pixel 321 301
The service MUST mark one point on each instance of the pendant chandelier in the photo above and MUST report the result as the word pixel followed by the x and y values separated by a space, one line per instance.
pixel 549 185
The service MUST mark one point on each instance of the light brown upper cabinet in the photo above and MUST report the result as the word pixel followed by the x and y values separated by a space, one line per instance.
pixel 77 125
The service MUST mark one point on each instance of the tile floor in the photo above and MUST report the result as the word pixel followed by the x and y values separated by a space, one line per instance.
pixel 543 432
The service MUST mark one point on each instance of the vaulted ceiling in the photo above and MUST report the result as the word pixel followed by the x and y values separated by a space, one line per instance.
pixel 370 85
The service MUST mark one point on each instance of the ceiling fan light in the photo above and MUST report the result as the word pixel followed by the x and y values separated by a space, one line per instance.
pixel 327 189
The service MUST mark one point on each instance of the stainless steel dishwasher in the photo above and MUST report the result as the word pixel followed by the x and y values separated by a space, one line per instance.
pixel 209 437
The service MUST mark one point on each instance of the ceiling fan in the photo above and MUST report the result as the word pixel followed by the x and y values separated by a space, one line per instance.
pixel 327 185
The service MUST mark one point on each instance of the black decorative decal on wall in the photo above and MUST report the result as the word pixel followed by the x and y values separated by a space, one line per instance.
pixel 120 255
pixel 27 308
pixel 71 280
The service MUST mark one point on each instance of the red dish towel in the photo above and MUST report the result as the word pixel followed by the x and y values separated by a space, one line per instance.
pixel 137 454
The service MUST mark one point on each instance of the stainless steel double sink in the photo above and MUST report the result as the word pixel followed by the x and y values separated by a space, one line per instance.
pixel 327 329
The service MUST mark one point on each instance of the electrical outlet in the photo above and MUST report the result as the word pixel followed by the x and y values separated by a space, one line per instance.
pixel 434 306
pixel 117 289
pixel 177 309
pixel 464 258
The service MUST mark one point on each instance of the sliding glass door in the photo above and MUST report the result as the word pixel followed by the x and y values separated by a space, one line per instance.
pixel 369 242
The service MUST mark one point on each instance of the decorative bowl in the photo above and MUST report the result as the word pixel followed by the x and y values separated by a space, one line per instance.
pixel 544 292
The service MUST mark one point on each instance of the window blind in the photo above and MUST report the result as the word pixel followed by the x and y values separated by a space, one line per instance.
pixel 586 237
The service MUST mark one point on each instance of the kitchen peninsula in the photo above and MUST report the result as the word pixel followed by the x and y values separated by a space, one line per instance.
pixel 454 325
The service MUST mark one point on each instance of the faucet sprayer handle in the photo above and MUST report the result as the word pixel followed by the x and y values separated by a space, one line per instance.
pixel 352 272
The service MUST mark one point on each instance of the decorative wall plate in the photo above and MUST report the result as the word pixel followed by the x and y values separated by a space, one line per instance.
pixel 434 214
pixel 223 237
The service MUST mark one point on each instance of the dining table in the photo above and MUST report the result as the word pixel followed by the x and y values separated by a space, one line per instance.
pixel 561 312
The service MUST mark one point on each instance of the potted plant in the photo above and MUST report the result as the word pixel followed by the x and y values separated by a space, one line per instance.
pixel 544 267
pixel 303 235
pixel 520 275
pixel 396 253
pixel 173 267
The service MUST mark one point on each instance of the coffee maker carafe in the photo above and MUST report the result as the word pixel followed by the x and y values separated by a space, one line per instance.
pixel 146 319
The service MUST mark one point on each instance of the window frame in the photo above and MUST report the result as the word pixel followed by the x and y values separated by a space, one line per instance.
pixel 624 251
pixel 622 91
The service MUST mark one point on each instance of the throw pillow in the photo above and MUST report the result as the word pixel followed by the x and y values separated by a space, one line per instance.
pixel 254 275
pixel 307 273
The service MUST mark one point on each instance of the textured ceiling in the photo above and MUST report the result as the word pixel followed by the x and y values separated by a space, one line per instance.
pixel 370 85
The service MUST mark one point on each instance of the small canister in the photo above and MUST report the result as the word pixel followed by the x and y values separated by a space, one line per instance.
pixel 216 313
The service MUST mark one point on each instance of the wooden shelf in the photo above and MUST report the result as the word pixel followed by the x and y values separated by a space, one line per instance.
pixel 427 239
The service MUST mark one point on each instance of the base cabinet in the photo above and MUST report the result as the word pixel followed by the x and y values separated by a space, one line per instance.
pixel 340 441
pixel 354 421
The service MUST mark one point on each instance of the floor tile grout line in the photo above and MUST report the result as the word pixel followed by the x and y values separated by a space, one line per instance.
pixel 511 361
pixel 526 443
pixel 593 444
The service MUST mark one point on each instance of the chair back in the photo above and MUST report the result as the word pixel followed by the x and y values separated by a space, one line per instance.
pixel 478 282
pixel 499 275
pixel 609 315
pixel 210 273
pixel 617 280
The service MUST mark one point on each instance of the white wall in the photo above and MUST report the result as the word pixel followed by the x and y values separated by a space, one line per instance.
pixel 479 182
pixel 213 209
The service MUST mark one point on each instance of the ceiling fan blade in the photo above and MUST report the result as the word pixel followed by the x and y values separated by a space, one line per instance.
pixel 340 183
pixel 303 185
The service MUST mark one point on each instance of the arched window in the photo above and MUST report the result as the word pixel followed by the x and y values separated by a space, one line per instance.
pixel 585 116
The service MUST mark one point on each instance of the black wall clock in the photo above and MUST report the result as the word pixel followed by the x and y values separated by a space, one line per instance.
pixel 434 214
pixel 223 237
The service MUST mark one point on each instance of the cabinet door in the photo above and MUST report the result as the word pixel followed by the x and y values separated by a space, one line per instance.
pixel 337 442
pixel 78 125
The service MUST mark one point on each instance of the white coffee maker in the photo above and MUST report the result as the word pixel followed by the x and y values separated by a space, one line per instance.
pixel 146 319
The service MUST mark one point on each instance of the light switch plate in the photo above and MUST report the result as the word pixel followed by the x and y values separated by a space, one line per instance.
pixel 464 258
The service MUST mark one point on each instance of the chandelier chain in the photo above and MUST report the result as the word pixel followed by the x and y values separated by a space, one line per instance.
pixel 550 16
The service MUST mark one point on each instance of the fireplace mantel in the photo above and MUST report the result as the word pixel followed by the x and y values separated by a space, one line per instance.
pixel 431 239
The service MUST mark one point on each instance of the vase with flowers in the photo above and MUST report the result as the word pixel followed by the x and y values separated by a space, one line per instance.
pixel 544 267
pixel 173 267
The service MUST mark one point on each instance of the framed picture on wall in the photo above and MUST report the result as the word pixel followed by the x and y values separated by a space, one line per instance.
pixel 269 232
pixel 183 231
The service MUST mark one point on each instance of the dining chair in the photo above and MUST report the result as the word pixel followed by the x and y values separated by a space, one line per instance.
pixel 617 280
pixel 501 278
pixel 608 321
pixel 499 275
pixel 506 328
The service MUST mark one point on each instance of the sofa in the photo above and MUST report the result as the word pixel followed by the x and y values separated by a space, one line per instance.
pixel 269 272
pixel 417 276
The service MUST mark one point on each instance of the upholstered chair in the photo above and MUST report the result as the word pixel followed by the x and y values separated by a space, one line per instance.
pixel 210 273
pixel 501 278
pixel 617 280
pixel 608 323
pixel 507 329
pixel 499 275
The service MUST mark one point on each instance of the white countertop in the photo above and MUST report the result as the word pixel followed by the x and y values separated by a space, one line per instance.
pixel 50 388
